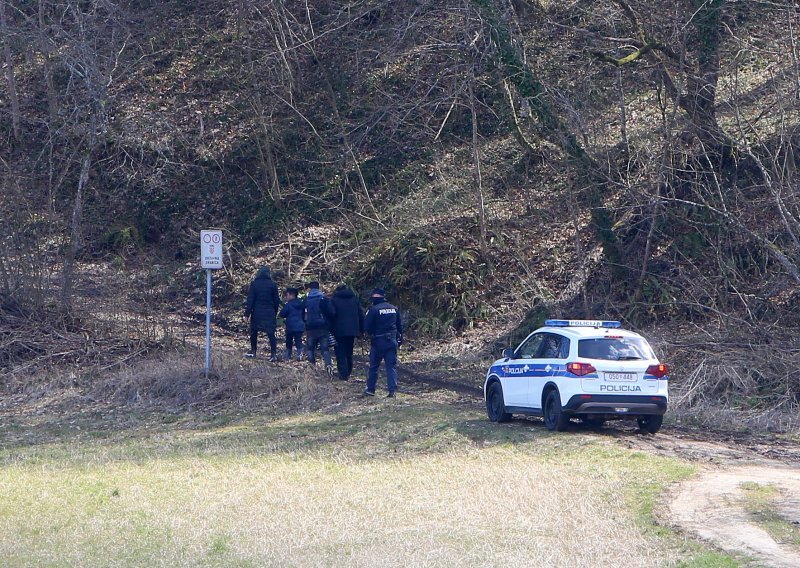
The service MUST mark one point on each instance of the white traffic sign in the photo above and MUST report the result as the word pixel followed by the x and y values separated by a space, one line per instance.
pixel 210 259
pixel 211 249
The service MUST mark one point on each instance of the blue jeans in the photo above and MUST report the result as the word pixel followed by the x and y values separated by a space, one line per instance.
pixel 318 337
pixel 383 349
pixel 295 338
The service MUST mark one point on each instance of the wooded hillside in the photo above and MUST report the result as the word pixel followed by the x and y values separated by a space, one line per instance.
pixel 490 162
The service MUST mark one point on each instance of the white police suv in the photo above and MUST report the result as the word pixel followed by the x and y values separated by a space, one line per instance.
pixel 592 370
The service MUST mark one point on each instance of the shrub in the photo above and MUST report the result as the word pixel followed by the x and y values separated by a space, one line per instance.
pixel 442 279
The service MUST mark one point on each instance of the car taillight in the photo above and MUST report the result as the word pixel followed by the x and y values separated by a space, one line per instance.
pixel 580 369
pixel 659 371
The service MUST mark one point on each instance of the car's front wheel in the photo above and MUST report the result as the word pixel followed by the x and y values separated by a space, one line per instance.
pixel 495 405
pixel 650 424
pixel 554 418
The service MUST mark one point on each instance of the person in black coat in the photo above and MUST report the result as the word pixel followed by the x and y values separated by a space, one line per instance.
pixel 347 324
pixel 263 302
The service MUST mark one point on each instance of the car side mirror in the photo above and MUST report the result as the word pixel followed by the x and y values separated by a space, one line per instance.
pixel 509 353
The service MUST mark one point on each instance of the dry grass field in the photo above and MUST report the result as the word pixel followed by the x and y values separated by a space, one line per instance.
pixel 423 480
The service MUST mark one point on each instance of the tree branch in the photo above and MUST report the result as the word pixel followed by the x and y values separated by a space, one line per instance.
pixel 630 58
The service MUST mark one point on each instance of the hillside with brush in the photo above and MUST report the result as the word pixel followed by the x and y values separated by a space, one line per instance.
pixel 489 163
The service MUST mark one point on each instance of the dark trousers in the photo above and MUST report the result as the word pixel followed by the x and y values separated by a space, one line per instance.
pixel 344 355
pixel 318 338
pixel 383 349
pixel 296 339
pixel 273 342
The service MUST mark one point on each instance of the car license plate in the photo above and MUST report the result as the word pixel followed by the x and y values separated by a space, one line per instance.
pixel 620 410
pixel 621 377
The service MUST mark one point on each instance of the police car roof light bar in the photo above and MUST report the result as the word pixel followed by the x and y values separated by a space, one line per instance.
pixel 582 323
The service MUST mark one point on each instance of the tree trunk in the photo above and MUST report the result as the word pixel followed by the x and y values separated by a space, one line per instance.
pixel 700 99
pixel 76 227
pixel 11 82
pixel 701 84
pixel 476 173
pixel 76 223
pixel 623 115
pixel 52 101
pixel 266 155
pixel 347 145
pixel 266 152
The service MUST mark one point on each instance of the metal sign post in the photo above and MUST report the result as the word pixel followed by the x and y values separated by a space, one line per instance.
pixel 210 259
pixel 208 321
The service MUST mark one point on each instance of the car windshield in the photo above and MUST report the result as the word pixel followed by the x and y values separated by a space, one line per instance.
pixel 615 349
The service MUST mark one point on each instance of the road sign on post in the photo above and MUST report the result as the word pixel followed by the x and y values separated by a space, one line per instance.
pixel 210 259
pixel 211 249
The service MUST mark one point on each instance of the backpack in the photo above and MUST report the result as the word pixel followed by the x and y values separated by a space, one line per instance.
pixel 314 317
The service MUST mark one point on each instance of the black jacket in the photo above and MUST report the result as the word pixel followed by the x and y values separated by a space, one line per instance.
pixel 349 318
pixel 263 302
pixel 326 309
pixel 383 320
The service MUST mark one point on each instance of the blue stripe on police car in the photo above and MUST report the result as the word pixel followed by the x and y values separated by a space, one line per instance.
pixel 528 370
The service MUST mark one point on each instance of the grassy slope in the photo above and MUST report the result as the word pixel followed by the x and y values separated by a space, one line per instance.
pixel 419 481
pixel 540 245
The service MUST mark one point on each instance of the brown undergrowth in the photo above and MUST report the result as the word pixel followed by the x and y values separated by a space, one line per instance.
pixel 178 380
pixel 53 348
pixel 175 382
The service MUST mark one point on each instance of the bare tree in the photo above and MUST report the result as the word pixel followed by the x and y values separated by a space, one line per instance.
pixel 47 67
pixel 702 70
pixel 477 174
pixel 11 82
pixel 92 61
pixel 269 80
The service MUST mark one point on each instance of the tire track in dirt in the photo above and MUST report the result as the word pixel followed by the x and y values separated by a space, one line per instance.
pixel 409 375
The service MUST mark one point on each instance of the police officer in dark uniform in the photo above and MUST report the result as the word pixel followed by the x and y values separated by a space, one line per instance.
pixel 385 328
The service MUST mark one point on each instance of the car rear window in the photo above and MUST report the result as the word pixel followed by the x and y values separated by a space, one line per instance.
pixel 615 349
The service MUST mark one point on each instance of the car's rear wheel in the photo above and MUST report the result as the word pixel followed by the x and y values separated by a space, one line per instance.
pixel 495 405
pixel 650 424
pixel 554 418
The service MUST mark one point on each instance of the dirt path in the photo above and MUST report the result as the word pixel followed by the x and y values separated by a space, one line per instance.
pixel 710 507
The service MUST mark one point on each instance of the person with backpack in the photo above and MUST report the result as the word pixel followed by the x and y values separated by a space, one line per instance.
pixel 385 328
pixel 263 302
pixel 348 323
pixel 293 313
pixel 318 313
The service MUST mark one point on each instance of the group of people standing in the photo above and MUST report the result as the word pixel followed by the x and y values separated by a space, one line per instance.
pixel 336 319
